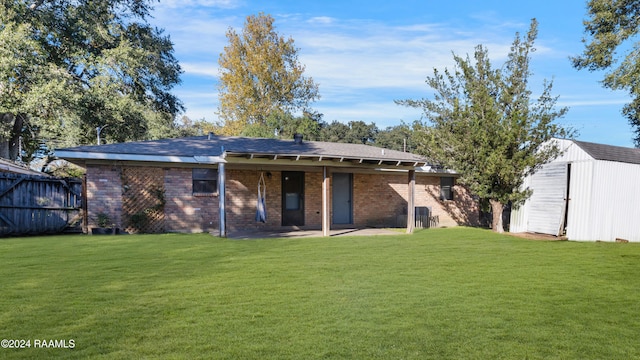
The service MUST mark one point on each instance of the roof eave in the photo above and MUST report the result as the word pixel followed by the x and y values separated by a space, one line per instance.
pixel 77 155
pixel 428 169
pixel 253 156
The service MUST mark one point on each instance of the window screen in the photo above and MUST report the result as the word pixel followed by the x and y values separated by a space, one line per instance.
pixel 205 181
pixel 446 188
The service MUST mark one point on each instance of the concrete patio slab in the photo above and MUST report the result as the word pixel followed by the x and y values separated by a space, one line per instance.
pixel 312 233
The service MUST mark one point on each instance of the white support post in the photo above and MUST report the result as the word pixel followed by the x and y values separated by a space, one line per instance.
pixel 326 215
pixel 411 211
pixel 222 200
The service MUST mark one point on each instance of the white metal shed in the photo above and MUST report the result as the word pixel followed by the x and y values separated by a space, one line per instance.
pixel 589 193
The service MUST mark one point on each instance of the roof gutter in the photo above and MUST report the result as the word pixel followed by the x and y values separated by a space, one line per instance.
pixel 76 155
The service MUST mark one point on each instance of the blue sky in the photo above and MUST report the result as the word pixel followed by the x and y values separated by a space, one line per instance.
pixel 366 54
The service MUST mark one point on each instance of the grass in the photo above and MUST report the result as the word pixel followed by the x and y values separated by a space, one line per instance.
pixel 438 294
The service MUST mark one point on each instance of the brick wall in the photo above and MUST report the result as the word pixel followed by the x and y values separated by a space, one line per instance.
pixel 313 200
pixel 378 200
pixel 242 197
pixel 462 210
pixel 104 194
pixel 185 212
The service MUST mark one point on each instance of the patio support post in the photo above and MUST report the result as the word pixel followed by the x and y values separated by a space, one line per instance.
pixel 326 215
pixel 411 212
pixel 222 200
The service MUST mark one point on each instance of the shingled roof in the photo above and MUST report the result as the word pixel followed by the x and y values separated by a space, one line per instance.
pixel 610 152
pixel 217 148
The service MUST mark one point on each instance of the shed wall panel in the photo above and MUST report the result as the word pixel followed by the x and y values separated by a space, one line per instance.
pixel 580 197
pixel 520 214
pixel 616 198
pixel 547 202
pixel 571 152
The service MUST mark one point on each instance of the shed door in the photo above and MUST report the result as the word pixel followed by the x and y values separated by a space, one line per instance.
pixel 342 198
pixel 548 201
pixel 292 198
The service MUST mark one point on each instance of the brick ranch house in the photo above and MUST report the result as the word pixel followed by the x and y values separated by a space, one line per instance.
pixel 210 184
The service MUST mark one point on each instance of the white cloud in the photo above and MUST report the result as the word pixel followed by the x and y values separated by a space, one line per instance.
pixel 199 96
pixel 361 66
pixel 203 69
pixel 593 102
pixel 380 56
pixel 324 20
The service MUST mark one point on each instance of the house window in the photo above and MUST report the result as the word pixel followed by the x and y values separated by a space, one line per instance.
pixel 205 182
pixel 446 188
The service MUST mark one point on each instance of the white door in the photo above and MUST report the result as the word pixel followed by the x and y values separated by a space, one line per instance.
pixel 342 198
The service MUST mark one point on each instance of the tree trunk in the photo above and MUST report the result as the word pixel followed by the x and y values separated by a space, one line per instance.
pixel 496 209
pixel 10 146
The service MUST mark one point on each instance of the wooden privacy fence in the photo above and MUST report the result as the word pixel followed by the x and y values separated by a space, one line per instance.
pixel 38 204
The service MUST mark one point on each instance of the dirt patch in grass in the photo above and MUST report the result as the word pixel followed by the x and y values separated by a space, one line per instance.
pixel 537 236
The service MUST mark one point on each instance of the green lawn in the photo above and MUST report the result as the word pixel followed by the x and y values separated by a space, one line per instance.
pixel 442 293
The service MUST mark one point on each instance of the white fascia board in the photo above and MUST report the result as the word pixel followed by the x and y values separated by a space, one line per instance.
pixel 431 170
pixel 209 159
pixel 323 157
pixel 137 157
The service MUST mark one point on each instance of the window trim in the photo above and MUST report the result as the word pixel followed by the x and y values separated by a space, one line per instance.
pixel 205 178
pixel 446 184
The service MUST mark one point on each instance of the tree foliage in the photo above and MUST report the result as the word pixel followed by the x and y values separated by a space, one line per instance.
pixel 283 125
pixel 187 127
pixel 612 26
pixel 399 137
pixel 261 76
pixel 69 66
pixel 483 123
pixel 354 132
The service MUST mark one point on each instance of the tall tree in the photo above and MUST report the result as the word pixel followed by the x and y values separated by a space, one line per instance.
pixel 260 76
pixel 69 66
pixel 483 123
pixel 613 25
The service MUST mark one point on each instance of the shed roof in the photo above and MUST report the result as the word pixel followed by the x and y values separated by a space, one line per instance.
pixel 610 152
pixel 7 166
pixel 217 148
